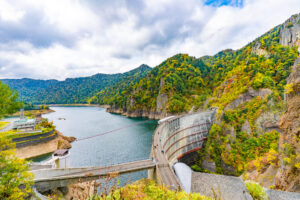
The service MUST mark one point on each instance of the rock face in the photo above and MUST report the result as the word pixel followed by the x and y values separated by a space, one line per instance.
pixel 64 141
pixel 161 102
pixel 246 127
pixel 281 195
pixel 288 177
pixel 63 144
pixel 259 51
pixel 224 187
pixel 248 96
pixel 290 34
pixel 159 113
pixel 267 121
pixel 139 113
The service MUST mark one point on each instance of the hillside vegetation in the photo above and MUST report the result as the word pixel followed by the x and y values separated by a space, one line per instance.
pixel 182 83
pixel 248 86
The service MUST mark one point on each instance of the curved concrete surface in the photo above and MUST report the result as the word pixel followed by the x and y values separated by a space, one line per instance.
pixel 175 138
pixel 184 174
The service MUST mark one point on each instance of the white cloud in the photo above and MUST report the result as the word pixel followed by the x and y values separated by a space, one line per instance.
pixel 10 13
pixel 70 38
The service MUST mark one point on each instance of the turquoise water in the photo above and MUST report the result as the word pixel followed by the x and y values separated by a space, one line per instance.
pixel 129 144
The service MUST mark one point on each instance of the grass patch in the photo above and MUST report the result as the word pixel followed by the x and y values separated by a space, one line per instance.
pixel 3 124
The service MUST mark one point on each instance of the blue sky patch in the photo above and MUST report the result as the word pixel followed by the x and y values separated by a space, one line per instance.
pixel 219 3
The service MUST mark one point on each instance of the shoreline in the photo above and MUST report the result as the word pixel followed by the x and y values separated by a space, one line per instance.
pixel 74 105
pixel 32 112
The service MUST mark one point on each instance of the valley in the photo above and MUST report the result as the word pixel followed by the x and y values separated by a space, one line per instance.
pixel 252 136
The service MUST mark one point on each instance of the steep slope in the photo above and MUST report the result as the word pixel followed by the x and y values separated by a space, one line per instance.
pixel 72 90
pixel 28 88
pixel 251 137
pixel 288 177
pixel 174 81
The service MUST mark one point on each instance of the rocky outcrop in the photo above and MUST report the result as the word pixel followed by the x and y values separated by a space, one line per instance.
pixel 246 127
pixel 290 33
pixel 288 177
pixel 281 195
pixel 63 144
pixel 81 190
pixel 64 141
pixel 138 113
pixel 66 138
pixel 267 121
pixel 259 51
pixel 247 97
pixel 161 102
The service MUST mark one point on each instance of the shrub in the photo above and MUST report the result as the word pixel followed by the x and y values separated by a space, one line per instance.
pixel 256 191
pixel 13 173
pixel 289 25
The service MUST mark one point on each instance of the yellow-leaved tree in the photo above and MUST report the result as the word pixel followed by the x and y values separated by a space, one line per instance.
pixel 15 180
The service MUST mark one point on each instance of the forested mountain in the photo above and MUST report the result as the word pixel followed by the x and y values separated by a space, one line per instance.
pixel 249 87
pixel 114 92
pixel 182 83
pixel 28 88
pixel 72 90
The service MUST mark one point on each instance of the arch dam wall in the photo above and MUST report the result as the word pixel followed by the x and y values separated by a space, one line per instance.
pixel 175 140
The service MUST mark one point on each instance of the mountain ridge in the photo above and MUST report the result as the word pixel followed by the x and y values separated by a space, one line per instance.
pixel 53 91
pixel 249 87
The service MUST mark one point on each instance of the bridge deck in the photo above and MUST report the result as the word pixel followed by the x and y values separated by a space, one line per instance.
pixel 167 174
pixel 75 173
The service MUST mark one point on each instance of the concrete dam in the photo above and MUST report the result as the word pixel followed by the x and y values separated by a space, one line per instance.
pixel 185 134
pixel 175 140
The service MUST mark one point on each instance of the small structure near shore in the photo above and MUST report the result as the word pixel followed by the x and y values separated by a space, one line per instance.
pixel 61 157
pixel 24 123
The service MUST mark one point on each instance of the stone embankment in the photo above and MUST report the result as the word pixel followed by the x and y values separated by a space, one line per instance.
pixel 59 142
pixel 138 113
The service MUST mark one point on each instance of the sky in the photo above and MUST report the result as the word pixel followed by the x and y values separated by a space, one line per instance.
pixel 47 39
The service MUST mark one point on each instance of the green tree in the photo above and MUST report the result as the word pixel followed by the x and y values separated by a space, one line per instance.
pixel 8 100
pixel 15 180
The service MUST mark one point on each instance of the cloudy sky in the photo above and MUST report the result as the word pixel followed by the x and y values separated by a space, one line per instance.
pixel 46 39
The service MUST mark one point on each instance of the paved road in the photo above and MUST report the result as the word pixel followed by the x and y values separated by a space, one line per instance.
pixel 8 126
pixel 167 174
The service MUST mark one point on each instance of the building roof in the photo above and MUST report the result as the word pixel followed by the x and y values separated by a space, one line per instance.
pixel 61 152
pixel 24 122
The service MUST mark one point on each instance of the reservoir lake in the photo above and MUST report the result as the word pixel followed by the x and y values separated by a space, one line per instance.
pixel 128 144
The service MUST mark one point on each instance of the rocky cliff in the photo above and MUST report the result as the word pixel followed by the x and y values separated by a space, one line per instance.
pixel 288 177
pixel 239 131
pixel 290 33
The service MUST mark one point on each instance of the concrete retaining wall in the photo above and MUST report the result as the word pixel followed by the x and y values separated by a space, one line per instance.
pixel 34 139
